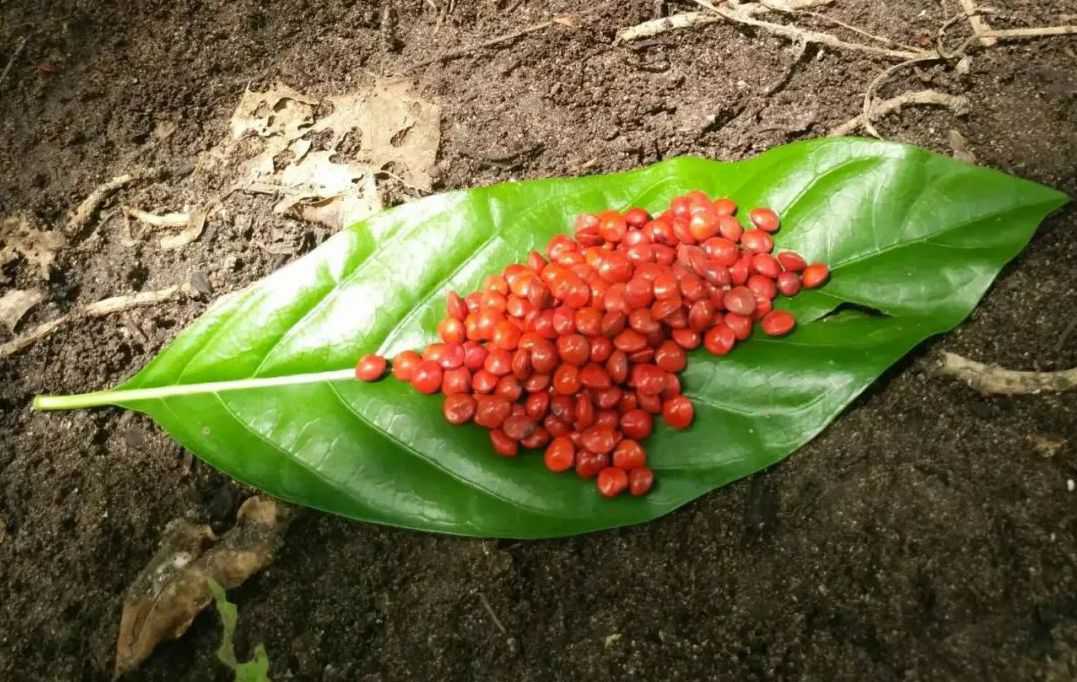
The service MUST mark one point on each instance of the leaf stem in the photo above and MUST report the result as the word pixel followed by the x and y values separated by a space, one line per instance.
pixel 121 396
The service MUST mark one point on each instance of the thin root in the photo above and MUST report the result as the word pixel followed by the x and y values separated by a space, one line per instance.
pixel 991 380
pixel 11 62
pixel 956 103
pixel 870 106
pixel 86 210
pixel 464 51
pixel 101 308
pixel 979 27
pixel 744 14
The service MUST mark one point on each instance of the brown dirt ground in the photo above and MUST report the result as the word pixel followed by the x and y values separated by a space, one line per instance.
pixel 923 536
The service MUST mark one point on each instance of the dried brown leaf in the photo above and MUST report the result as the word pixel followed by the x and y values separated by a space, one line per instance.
pixel 163 600
pixel 18 237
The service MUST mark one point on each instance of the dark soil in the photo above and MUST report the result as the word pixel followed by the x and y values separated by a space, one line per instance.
pixel 927 535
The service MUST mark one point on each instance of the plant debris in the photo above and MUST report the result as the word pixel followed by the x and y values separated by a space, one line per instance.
pixel 255 670
pixel 15 303
pixel 18 237
pixel 174 587
pixel 397 132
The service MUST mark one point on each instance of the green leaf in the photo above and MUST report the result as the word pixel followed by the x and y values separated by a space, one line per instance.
pixel 914 240
pixel 256 670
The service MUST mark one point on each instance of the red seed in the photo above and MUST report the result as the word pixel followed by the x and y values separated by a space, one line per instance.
pixel 560 455
pixel 701 315
pixel 491 411
pixel 640 481
pixel 642 321
pixel 518 427
pixel 612 226
pixel 670 357
pixel 544 357
pixel 601 348
pixel 458 409
pixel 740 300
pixel 719 339
pixel 556 426
pixel 628 455
pixel 763 287
pixel 538 439
pixel 593 376
pixel 678 412
pixel 612 481
pixel 686 338
pixel 574 349
pixel 452 330
pixel 757 240
pixel 566 380
pixel 370 367
pixel 427 377
pixel 648 379
pixel 455 381
pixel 448 355
pixel 630 341
pixel 815 275
pixel 725 207
pixel 521 364
pixel 617 367
pixel 609 398
pixel 765 219
pixel 777 323
pixel 740 324
pixel 404 365
pixel 588 464
pixel 584 413
pixel 637 424
pixel 788 283
pixel 455 306
pixel 484 381
pixel 474 355
pixel 537 405
pixel 722 251
pixel 636 217
pixel 599 439
pixel 503 445
pixel 509 388
pixel 613 323
pixel 791 261
pixel 729 228
pixel 766 265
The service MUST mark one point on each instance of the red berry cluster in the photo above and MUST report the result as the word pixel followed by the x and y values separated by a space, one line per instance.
pixel 576 351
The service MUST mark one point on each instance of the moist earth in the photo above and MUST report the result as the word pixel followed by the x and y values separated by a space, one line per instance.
pixel 928 534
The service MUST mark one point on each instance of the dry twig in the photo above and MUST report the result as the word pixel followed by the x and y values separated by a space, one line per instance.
pixel 991 380
pixel 955 103
pixel 101 308
pixel 838 22
pixel 1026 33
pixel 979 26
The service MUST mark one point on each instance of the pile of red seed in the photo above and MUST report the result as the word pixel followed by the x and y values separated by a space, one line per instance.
pixel 576 351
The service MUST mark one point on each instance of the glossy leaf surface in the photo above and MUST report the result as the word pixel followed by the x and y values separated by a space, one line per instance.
pixel 913 240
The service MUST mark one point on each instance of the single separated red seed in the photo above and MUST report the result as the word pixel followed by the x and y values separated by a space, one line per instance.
pixel 777 323
pixel 371 367
pixel 815 275
pixel 629 455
